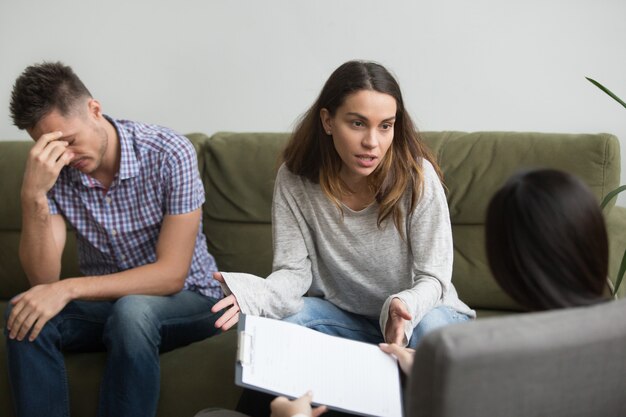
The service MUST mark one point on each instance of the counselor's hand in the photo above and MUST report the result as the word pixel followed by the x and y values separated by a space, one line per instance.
pixel 282 407
pixel 398 316
pixel 45 161
pixel 230 316
pixel 32 309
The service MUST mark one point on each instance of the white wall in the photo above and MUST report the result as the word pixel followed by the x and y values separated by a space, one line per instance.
pixel 255 65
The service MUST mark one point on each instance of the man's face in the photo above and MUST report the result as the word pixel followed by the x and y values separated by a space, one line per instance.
pixel 86 139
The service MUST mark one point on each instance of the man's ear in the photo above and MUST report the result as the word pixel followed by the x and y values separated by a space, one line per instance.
pixel 94 108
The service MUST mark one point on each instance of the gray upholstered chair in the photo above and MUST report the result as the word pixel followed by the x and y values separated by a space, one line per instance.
pixel 563 363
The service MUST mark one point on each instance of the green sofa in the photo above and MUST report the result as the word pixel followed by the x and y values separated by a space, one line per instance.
pixel 238 173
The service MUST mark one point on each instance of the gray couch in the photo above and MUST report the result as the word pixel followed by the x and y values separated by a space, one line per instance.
pixel 238 173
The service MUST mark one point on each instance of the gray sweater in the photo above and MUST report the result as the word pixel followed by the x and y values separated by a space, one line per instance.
pixel 350 261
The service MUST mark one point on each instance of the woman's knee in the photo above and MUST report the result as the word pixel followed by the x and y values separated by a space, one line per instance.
pixel 313 309
pixel 435 319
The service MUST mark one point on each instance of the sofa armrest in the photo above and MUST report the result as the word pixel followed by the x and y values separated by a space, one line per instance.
pixel 558 363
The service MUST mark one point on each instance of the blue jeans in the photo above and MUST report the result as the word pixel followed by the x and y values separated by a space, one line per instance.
pixel 133 330
pixel 325 317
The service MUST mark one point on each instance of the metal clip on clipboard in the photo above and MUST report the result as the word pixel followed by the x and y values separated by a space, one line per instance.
pixel 244 348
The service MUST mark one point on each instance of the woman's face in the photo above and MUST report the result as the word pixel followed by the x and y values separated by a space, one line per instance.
pixel 362 131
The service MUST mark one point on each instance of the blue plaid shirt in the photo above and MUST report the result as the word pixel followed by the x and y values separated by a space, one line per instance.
pixel 118 229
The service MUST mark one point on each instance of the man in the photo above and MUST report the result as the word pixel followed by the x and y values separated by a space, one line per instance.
pixel 132 193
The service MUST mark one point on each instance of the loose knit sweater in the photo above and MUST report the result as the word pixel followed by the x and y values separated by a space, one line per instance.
pixel 344 257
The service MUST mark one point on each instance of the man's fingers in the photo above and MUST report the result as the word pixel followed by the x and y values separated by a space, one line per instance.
pixel 54 157
pixel 19 324
pixel 43 153
pixel 17 309
pixel 26 326
pixel 64 160
pixel 17 298
pixel 36 329
pixel 59 153
pixel 53 151
pixel 45 139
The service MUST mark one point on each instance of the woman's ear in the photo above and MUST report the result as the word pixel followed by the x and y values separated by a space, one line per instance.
pixel 326 121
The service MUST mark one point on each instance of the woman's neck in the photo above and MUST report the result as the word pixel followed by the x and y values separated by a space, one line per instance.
pixel 359 197
pixel 360 193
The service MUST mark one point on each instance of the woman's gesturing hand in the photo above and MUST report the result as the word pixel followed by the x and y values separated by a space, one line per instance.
pixel 398 316
pixel 231 315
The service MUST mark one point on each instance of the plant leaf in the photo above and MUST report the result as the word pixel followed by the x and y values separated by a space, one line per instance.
pixel 606 90
pixel 610 196
pixel 620 274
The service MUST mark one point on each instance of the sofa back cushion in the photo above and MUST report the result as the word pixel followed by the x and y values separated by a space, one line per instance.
pixel 476 165
pixel 239 168
pixel 561 363
pixel 238 171
pixel 12 163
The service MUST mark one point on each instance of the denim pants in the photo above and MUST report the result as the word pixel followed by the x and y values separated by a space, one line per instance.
pixel 133 330
pixel 325 317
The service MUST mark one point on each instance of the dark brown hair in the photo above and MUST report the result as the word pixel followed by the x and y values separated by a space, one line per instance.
pixel 312 155
pixel 546 240
pixel 42 88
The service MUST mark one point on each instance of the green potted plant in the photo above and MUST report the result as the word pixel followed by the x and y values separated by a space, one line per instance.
pixel 615 192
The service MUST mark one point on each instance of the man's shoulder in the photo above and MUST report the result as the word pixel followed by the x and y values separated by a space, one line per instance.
pixel 152 137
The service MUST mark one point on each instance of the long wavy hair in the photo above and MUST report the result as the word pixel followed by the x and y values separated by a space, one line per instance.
pixel 310 152
pixel 546 241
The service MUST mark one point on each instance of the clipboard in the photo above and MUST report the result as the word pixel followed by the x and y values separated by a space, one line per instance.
pixel 283 358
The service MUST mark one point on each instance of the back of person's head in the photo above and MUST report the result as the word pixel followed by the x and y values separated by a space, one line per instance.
pixel 42 88
pixel 547 242
pixel 311 153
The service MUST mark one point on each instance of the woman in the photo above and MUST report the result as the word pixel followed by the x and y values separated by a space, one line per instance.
pixel 547 247
pixel 360 222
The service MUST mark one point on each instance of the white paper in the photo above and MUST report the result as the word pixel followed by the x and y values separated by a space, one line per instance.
pixel 345 374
